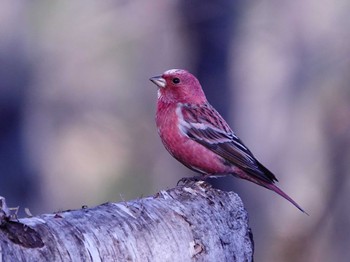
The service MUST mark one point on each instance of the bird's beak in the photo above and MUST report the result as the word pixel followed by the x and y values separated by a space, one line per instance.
pixel 158 81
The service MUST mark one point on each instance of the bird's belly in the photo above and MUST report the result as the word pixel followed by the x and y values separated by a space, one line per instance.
pixel 195 156
pixel 184 149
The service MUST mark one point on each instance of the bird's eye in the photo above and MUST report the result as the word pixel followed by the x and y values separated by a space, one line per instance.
pixel 176 80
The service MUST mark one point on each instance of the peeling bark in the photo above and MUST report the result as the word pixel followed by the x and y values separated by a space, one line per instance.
pixel 187 223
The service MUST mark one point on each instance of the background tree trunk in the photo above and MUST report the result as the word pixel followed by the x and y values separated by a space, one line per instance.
pixel 187 223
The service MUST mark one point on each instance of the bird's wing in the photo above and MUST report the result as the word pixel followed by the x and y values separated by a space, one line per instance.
pixel 204 125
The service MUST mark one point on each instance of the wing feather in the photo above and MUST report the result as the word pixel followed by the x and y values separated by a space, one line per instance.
pixel 203 124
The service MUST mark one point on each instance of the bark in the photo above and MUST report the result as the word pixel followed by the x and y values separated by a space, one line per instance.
pixel 193 222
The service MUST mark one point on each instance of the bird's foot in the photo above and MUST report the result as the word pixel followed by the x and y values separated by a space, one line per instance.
pixel 190 180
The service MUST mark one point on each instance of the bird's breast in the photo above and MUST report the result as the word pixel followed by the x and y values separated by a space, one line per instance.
pixel 179 145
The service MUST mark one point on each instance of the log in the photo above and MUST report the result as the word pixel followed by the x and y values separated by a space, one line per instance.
pixel 193 222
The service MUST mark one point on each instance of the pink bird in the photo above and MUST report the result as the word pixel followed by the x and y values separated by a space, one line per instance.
pixel 196 135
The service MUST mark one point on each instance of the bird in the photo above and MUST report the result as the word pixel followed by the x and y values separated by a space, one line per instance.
pixel 195 134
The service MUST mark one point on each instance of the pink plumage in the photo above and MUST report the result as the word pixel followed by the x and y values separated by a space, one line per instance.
pixel 196 135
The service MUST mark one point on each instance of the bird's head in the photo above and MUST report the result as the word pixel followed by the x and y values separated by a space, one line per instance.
pixel 179 86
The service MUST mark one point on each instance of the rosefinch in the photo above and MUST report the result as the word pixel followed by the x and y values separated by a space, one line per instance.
pixel 196 135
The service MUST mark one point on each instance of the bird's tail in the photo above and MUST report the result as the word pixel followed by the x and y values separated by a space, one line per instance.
pixel 279 191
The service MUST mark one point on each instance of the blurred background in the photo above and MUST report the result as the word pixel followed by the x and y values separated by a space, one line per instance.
pixel 77 108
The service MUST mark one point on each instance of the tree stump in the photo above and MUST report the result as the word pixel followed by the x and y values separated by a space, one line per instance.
pixel 193 222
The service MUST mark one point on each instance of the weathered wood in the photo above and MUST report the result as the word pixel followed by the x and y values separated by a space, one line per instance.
pixel 187 223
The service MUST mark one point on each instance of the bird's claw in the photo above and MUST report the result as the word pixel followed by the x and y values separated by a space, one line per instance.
pixel 189 180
